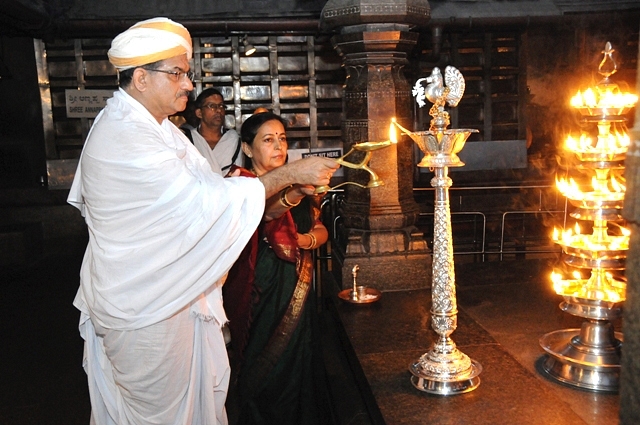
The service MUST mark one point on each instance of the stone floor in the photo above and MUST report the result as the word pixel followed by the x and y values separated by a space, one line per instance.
pixel 504 309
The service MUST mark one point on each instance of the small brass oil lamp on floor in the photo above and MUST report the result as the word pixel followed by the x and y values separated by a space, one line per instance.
pixel 589 357
pixel 444 369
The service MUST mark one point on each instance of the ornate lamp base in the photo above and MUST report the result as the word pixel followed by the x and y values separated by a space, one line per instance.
pixel 433 385
pixel 588 358
pixel 445 370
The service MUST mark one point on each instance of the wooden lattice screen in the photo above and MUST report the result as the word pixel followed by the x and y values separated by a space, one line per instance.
pixel 299 77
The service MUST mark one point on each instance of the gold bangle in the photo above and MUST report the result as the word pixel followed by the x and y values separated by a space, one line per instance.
pixel 283 199
pixel 312 245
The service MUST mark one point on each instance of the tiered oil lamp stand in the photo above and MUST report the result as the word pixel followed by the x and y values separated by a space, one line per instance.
pixel 444 369
pixel 589 357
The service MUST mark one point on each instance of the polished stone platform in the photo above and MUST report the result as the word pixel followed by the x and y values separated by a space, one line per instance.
pixel 504 308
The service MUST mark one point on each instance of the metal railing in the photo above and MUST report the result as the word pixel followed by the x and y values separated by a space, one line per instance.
pixel 554 248
pixel 483 237
pixel 479 242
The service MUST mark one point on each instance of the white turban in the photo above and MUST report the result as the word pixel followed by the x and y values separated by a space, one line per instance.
pixel 149 41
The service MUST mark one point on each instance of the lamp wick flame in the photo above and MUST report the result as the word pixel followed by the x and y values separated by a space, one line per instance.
pixel 392 132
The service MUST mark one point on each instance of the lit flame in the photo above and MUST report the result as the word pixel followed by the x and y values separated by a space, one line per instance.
pixel 558 284
pixel 619 140
pixel 611 188
pixel 594 242
pixel 624 139
pixel 617 186
pixel 578 287
pixel 606 99
pixel 569 188
pixel 599 186
pixel 567 236
pixel 584 144
pixel 608 143
pixel 625 232
pixel 392 132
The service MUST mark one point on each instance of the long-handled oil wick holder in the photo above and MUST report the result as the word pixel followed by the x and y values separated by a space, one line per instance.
pixel 368 148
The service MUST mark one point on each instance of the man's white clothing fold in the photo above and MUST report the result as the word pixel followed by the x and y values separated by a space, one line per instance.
pixel 142 265
pixel 164 230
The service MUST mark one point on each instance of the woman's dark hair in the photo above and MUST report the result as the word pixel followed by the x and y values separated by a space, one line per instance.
pixel 251 126
pixel 205 94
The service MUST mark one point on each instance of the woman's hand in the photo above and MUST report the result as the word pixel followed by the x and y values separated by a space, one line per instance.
pixel 305 190
pixel 306 241
pixel 313 239
pixel 283 201
pixel 298 191
pixel 313 170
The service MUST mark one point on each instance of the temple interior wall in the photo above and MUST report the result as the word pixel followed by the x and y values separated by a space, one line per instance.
pixel 519 80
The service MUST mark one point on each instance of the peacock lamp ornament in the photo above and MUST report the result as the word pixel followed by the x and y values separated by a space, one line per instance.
pixel 444 369
pixel 438 94
pixel 439 144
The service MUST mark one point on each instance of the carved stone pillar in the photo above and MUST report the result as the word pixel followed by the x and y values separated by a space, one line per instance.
pixel 630 361
pixel 377 227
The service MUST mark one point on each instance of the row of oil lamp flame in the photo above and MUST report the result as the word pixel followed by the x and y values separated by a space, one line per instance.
pixel 594 242
pixel 601 191
pixel 609 144
pixel 606 189
pixel 609 98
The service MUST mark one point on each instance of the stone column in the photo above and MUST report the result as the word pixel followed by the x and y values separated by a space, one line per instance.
pixel 377 227
pixel 630 360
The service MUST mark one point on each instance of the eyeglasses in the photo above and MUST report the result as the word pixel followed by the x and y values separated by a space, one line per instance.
pixel 214 106
pixel 177 74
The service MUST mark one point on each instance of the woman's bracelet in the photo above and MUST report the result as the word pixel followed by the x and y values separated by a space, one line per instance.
pixel 283 199
pixel 312 245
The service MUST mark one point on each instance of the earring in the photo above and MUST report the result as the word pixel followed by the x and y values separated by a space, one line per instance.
pixel 250 156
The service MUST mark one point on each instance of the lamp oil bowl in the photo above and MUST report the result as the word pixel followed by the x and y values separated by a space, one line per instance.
pixel 589 357
pixel 444 369
pixel 368 148
pixel 440 147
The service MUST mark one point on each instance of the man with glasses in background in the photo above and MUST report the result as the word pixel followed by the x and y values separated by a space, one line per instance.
pixel 220 146
pixel 164 230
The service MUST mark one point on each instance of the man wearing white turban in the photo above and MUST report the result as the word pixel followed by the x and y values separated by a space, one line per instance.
pixel 164 229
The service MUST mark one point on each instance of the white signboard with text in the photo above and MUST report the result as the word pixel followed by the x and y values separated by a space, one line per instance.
pixel 85 103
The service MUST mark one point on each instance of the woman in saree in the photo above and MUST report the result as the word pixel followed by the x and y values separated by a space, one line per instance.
pixel 269 297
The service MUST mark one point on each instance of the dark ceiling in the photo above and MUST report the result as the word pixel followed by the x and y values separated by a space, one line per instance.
pixel 100 18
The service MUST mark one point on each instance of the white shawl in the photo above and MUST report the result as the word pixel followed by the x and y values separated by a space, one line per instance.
pixel 164 229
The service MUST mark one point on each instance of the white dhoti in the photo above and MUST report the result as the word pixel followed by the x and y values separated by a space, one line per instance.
pixel 173 372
